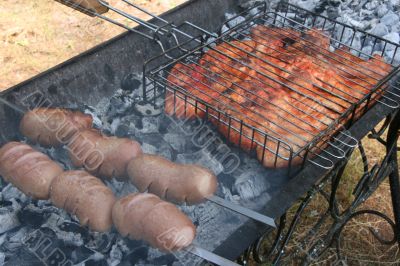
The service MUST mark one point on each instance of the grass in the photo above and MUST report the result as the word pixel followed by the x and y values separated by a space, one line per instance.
pixel 36 35
pixel 359 246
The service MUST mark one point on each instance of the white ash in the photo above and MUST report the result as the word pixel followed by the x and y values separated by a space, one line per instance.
pixel 249 185
pixel 227 194
pixel 150 125
pixel 393 37
pixel 115 255
pixel 8 216
pixel 114 125
pixel 380 30
pixel 96 119
pixel 174 140
pixel 121 189
pixel 2 258
pixel 306 4
pixel 234 21
pixel 3 238
pixel 224 29
pixel 9 193
pixel 15 240
pixel 378 17
pixel 161 150
pixel 201 157
pixel 55 222
pixel 148 148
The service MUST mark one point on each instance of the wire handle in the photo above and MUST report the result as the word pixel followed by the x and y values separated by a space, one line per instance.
pixel 88 7
pixel 160 34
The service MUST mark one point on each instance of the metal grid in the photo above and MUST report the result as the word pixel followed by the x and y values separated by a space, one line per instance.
pixel 285 139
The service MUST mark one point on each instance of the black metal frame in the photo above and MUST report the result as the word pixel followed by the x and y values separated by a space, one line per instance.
pixel 312 249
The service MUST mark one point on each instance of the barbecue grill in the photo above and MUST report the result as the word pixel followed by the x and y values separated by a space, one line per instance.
pixel 133 72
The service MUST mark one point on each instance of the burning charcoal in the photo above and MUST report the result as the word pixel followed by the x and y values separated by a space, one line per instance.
pixel 101 242
pixel 97 122
pixel 44 244
pixel 307 4
pixel 132 83
pixel 96 262
pixel 82 254
pixel 121 189
pixel 201 157
pixel 15 239
pixel 382 10
pixel 380 30
pixel 62 157
pixel 23 257
pixel 5 203
pixel 129 126
pixel 114 124
pixel 155 144
pixel 115 255
pixel 332 12
pixel 367 50
pixel 250 185
pixel 147 109
pixel 186 127
pixel 227 194
pixel 70 238
pixel 391 54
pixel 249 3
pixel 390 19
pixel 74 227
pixel 177 141
pixel 148 148
pixel 134 256
pixel 32 216
pixel 224 29
pixel 2 258
pixel 3 238
pixel 69 232
pixel 149 125
pixel 10 192
pixel 119 104
pixel 234 21
pixel 153 255
pixel 209 218
pixel 166 259
pixel 393 37
pixel 9 217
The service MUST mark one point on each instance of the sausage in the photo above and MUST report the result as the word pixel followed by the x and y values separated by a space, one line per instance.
pixel 171 181
pixel 85 196
pixel 52 127
pixel 102 155
pixel 29 170
pixel 146 217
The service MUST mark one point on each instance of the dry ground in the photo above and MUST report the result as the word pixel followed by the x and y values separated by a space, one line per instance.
pixel 36 35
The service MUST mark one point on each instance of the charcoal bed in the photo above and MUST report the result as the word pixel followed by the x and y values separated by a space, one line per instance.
pixel 107 82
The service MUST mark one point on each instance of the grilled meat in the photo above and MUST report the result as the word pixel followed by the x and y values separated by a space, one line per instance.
pixel 279 81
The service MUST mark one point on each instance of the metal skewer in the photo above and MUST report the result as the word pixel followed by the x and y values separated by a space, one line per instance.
pixel 196 250
pixel 209 256
pixel 242 210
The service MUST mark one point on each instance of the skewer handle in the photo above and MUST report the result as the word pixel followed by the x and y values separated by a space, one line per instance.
pixel 88 7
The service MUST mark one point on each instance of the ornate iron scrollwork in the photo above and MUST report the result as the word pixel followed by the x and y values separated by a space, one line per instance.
pixel 272 247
